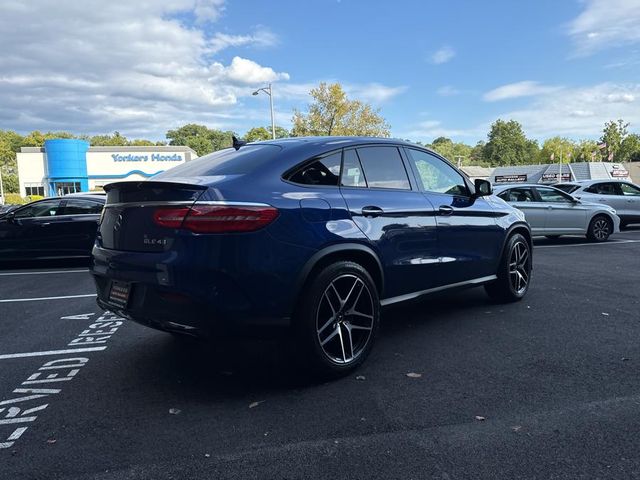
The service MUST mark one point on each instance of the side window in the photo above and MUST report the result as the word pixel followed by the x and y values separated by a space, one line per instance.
pixel 603 189
pixel 81 207
pixel 383 167
pixel 630 190
pixel 48 208
pixel 321 171
pixel 352 175
pixel 518 195
pixel 551 195
pixel 436 175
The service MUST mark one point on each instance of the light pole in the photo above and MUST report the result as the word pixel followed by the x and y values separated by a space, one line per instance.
pixel 269 92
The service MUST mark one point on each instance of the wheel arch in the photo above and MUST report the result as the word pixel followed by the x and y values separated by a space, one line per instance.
pixel 355 252
pixel 521 228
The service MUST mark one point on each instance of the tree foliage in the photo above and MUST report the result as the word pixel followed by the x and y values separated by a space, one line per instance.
pixel 332 113
pixel 451 150
pixel 508 145
pixel 258 134
pixel 200 138
pixel 557 149
pixel 613 135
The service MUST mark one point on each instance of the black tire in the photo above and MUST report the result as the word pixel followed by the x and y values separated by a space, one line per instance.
pixel 600 228
pixel 552 237
pixel 514 271
pixel 325 319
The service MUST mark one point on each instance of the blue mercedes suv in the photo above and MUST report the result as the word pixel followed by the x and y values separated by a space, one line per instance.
pixel 311 235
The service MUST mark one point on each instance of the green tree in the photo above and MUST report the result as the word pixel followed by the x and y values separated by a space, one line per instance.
pixel 613 134
pixel 332 113
pixel 476 157
pixel 555 149
pixel 452 151
pixel 258 134
pixel 200 138
pixel 115 140
pixel 10 183
pixel 585 151
pixel 630 149
pixel 508 145
pixel 37 138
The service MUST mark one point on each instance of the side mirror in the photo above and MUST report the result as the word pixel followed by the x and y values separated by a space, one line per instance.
pixel 483 188
pixel 10 216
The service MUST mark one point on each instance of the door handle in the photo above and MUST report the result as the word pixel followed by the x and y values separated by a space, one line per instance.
pixel 45 224
pixel 445 210
pixel 372 211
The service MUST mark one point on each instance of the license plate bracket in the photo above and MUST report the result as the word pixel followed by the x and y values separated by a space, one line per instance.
pixel 119 293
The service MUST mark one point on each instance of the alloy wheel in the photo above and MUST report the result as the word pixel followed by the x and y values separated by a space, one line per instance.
pixel 519 268
pixel 345 319
pixel 601 229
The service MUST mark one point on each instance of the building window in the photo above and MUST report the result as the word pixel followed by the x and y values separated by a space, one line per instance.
pixel 34 189
pixel 65 188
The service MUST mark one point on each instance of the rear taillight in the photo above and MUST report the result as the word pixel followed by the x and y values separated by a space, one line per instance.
pixel 216 218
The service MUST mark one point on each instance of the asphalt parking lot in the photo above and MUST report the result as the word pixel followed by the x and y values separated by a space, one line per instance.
pixel 546 388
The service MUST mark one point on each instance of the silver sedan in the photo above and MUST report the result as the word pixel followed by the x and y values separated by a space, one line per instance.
pixel 552 212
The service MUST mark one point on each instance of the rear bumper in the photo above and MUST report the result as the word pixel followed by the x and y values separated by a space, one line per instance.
pixel 180 293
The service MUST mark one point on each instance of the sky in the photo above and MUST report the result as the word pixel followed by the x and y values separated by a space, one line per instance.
pixel 433 68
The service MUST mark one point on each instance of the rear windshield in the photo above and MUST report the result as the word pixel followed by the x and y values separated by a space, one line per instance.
pixel 224 162
pixel 567 188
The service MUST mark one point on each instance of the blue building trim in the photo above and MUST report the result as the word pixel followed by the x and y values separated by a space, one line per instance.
pixel 124 175
pixel 66 162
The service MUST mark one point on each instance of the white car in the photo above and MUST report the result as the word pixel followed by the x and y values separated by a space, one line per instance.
pixel 621 195
pixel 552 212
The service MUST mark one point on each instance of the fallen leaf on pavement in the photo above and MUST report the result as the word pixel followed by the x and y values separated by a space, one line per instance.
pixel 516 428
pixel 255 404
pixel 414 375
pixel 360 377
pixel 480 418
pixel 51 441
pixel 174 411
pixel 605 314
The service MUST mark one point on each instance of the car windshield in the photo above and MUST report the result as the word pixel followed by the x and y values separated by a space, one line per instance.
pixel 225 162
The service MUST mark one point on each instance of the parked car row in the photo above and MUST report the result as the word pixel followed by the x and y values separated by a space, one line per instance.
pixel 58 227
pixel 552 212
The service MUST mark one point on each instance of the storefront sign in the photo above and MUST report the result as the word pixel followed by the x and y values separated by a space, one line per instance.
pixel 619 172
pixel 553 177
pixel 154 157
pixel 511 178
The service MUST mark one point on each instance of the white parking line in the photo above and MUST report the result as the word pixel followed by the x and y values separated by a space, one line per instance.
pixel 9 300
pixel 51 352
pixel 6 274
pixel 616 242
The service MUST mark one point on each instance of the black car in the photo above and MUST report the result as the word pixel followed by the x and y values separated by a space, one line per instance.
pixel 60 227
pixel 6 208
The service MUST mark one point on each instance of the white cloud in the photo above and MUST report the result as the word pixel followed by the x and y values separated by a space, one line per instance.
pixel 443 55
pixel 374 93
pixel 606 23
pixel 518 89
pixel 448 91
pixel 426 131
pixel 260 37
pixel 579 112
pixel 135 67
pixel 572 112
pixel 246 72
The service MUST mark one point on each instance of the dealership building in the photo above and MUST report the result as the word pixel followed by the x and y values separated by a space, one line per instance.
pixel 553 173
pixel 65 166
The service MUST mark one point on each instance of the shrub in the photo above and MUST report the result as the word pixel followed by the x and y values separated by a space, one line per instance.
pixel 33 198
pixel 14 199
